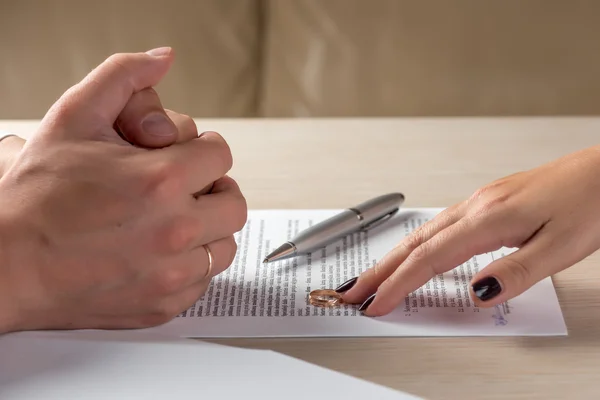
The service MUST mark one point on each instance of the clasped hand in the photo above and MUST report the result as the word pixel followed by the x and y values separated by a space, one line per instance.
pixel 105 213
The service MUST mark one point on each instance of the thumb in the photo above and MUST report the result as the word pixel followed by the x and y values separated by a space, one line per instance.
pixel 144 122
pixel 511 275
pixel 102 95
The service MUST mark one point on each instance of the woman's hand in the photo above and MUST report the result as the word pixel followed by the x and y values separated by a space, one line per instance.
pixel 551 213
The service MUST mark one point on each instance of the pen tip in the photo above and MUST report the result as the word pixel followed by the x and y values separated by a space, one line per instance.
pixel 266 260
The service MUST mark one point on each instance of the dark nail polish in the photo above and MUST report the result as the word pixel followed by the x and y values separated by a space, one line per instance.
pixel 344 287
pixel 487 288
pixel 367 303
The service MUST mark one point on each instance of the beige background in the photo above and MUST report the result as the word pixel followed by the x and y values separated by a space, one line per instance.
pixel 299 58
pixel 434 162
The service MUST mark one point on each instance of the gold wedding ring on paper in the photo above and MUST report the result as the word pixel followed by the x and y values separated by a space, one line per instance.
pixel 325 298
pixel 210 260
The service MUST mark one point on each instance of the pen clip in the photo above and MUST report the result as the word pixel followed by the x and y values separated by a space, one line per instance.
pixel 380 220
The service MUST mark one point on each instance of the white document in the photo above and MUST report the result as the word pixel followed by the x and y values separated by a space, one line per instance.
pixel 136 366
pixel 252 299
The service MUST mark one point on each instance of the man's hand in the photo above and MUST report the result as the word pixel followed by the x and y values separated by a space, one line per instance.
pixel 98 233
pixel 143 122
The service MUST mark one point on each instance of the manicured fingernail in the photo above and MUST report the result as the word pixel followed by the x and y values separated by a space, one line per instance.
pixel 487 288
pixel 158 124
pixel 159 52
pixel 344 287
pixel 367 303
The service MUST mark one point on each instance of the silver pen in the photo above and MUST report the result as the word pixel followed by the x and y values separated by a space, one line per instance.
pixel 362 217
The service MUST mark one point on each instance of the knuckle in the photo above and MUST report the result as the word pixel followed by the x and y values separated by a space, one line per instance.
pixel 118 60
pixel 163 180
pixel 224 150
pixel 495 204
pixel 488 199
pixel 387 283
pixel 232 247
pixel 189 125
pixel 180 234
pixel 372 278
pixel 188 120
pixel 239 212
pixel 419 254
pixel 227 159
pixel 414 240
pixel 427 230
pixel 120 66
pixel 184 122
pixel 217 138
pixel 479 194
pixel 421 257
pixel 114 56
pixel 446 217
pixel 483 192
pixel 170 280
pixel 64 108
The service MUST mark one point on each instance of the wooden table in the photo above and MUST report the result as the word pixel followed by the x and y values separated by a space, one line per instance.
pixel 435 162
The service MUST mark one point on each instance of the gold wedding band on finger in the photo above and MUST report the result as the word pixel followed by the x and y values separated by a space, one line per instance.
pixel 210 261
